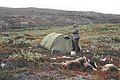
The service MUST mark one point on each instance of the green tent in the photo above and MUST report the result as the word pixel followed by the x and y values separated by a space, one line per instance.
pixel 55 41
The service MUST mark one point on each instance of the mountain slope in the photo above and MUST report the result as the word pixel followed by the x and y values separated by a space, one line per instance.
pixel 51 17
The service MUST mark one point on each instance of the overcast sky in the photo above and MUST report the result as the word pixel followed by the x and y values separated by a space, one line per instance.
pixel 103 6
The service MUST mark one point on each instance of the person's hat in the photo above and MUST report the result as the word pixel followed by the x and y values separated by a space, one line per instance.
pixel 75 25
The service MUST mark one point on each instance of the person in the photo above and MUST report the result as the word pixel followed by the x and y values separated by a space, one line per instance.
pixel 75 38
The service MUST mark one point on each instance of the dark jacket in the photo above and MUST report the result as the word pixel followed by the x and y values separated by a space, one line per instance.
pixel 76 34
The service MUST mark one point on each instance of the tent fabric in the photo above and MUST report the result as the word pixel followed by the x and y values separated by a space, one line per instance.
pixel 55 41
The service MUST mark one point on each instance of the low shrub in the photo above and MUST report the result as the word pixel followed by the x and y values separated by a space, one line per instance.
pixel 26 56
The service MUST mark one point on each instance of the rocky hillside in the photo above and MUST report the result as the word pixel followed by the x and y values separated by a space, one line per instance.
pixel 50 17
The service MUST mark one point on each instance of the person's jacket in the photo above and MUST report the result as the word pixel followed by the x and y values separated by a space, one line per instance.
pixel 76 34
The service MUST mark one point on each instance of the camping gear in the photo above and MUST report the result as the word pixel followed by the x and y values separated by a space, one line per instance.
pixel 57 42
pixel 73 53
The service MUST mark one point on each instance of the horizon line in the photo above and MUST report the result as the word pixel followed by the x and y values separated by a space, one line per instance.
pixel 60 9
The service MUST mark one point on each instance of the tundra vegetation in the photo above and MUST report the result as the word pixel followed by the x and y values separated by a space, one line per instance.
pixel 22 54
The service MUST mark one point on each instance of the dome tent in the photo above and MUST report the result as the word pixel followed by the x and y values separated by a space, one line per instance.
pixel 59 42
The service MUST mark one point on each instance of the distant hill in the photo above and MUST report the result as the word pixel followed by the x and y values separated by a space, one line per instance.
pixel 52 17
